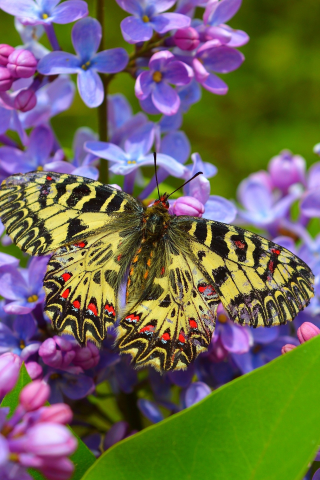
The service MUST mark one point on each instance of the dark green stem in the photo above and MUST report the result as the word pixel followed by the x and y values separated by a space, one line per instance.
pixel 103 108
pixel 127 403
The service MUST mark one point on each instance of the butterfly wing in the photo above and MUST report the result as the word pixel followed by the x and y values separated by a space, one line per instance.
pixel 82 283
pixel 43 211
pixel 258 282
pixel 174 318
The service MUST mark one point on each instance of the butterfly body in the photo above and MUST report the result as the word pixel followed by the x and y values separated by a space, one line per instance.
pixel 177 268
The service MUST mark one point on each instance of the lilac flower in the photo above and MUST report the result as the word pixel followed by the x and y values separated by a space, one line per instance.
pixel 135 154
pixel 30 36
pixel 213 57
pixel 262 208
pixel 154 83
pixel 23 288
pixel 148 16
pixel 197 391
pixel 267 345
pixel 9 371
pixel 215 207
pixel 86 38
pixel 287 169
pixel 310 201
pixel 19 339
pixel 150 410
pixel 45 11
pixel 67 384
pixel 118 431
pixel 187 38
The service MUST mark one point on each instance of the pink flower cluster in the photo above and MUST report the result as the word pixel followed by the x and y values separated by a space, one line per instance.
pixel 36 435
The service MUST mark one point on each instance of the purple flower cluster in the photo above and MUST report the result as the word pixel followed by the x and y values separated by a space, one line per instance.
pixel 35 435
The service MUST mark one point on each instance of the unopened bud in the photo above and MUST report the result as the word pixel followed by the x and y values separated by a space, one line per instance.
pixel 34 395
pixel 186 38
pixel 307 331
pixel 25 100
pixel 188 206
pixel 5 79
pixel 5 51
pixel 22 64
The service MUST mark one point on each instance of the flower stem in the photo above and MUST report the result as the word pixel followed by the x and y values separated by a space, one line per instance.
pixel 103 108
pixel 52 37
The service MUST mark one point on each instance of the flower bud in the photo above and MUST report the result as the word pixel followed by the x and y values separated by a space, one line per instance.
pixel 186 38
pixel 150 410
pixel 307 331
pixel 34 395
pixel 22 63
pixel 287 348
pixel 9 371
pixel 196 392
pixel 188 206
pixel 34 370
pixel 57 469
pixel 57 352
pixel 5 51
pixel 87 357
pixel 5 79
pixel 58 413
pixel 287 169
pixel 46 440
pixel 117 432
pixel 25 100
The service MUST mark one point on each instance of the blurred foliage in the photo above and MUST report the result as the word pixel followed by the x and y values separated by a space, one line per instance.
pixel 273 100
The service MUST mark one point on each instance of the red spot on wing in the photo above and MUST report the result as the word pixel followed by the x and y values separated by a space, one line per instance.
pixel 93 309
pixel 271 266
pixel 207 289
pixel 181 338
pixel 162 270
pixel 119 257
pixel 165 337
pixel 110 310
pixel 66 276
pixel 49 178
pixel 275 251
pixel 193 323
pixel 147 328
pixel 239 244
pixel 76 304
pixel 80 245
pixel 133 318
pixel 65 294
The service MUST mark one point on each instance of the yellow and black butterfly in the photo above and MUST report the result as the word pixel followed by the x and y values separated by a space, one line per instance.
pixel 180 268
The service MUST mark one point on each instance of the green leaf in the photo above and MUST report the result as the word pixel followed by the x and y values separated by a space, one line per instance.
pixel 82 458
pixel 262 426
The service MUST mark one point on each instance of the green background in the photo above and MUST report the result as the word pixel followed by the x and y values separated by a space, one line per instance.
pixel 273 101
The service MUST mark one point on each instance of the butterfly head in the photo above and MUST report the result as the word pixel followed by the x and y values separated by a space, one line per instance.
pixel 163 201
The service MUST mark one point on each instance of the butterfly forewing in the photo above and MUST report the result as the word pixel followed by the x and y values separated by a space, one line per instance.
pixel 43 211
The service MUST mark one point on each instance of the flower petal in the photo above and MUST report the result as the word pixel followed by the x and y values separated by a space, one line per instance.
pixel 235 338
pixel 143 85
pixel 139 144
pixel 238 37
pixel 162 5
pixel 41 143
pixel 86 37
pixel 220 12
pixel 12 284
pixel 134 30
pixel 170 164
pixel 220 209
pixel 178 73
pixel 36 272
pixel 19 307
pixel 150 410
pixel 169 21
pixel 70 11
pixel 76 386
pixel 196 392
pixel 200 72
pixel 166 99
pixel 171 122
pixel 130 6
pixel 148 106
pixel 5 117
pixel 255 196
pixel 110 61
pixel 215 85
pixel 90 88
pixel 58 62
pixel 59 166
pixel 220 59
pixel 176 145
pixel 159 60
pixel 106 150
pixel 20 8
pixel 310 204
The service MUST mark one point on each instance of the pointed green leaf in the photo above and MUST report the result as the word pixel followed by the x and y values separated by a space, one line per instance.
pixel 262 426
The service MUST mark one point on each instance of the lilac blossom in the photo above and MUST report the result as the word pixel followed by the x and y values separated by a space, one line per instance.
pixel 23 288
pixel 86 38
pixel 150 410
pixel 30 34
pixel 147 16
pixel 118 431
pixel 9 371
pixel 197 391
pixel 287 169
pixel 20 338
pixel 310 200
pixel 65 384
pixel 45 11
pixel 154 83
pixel 135 154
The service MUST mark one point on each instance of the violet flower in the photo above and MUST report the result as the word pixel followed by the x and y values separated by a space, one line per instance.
pixel 30 34
pixel 154 83
pixel 150 410
pixel 310 200
pixel 148 16
pixel 19 339
pixel 287 169
pixel 9 372
pixel 196 391
pixel 23 288
pixel 45 11
pixel 86 38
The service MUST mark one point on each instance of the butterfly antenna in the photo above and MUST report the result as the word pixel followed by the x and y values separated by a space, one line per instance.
pixel 155 169
pixel 194 176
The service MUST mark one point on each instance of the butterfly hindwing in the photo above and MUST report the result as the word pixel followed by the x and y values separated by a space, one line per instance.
pixel 43 211
pixel 173 320
pixel 259 283
pixel 82 284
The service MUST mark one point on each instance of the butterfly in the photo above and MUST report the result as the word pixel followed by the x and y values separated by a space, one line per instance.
pixel 178 268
